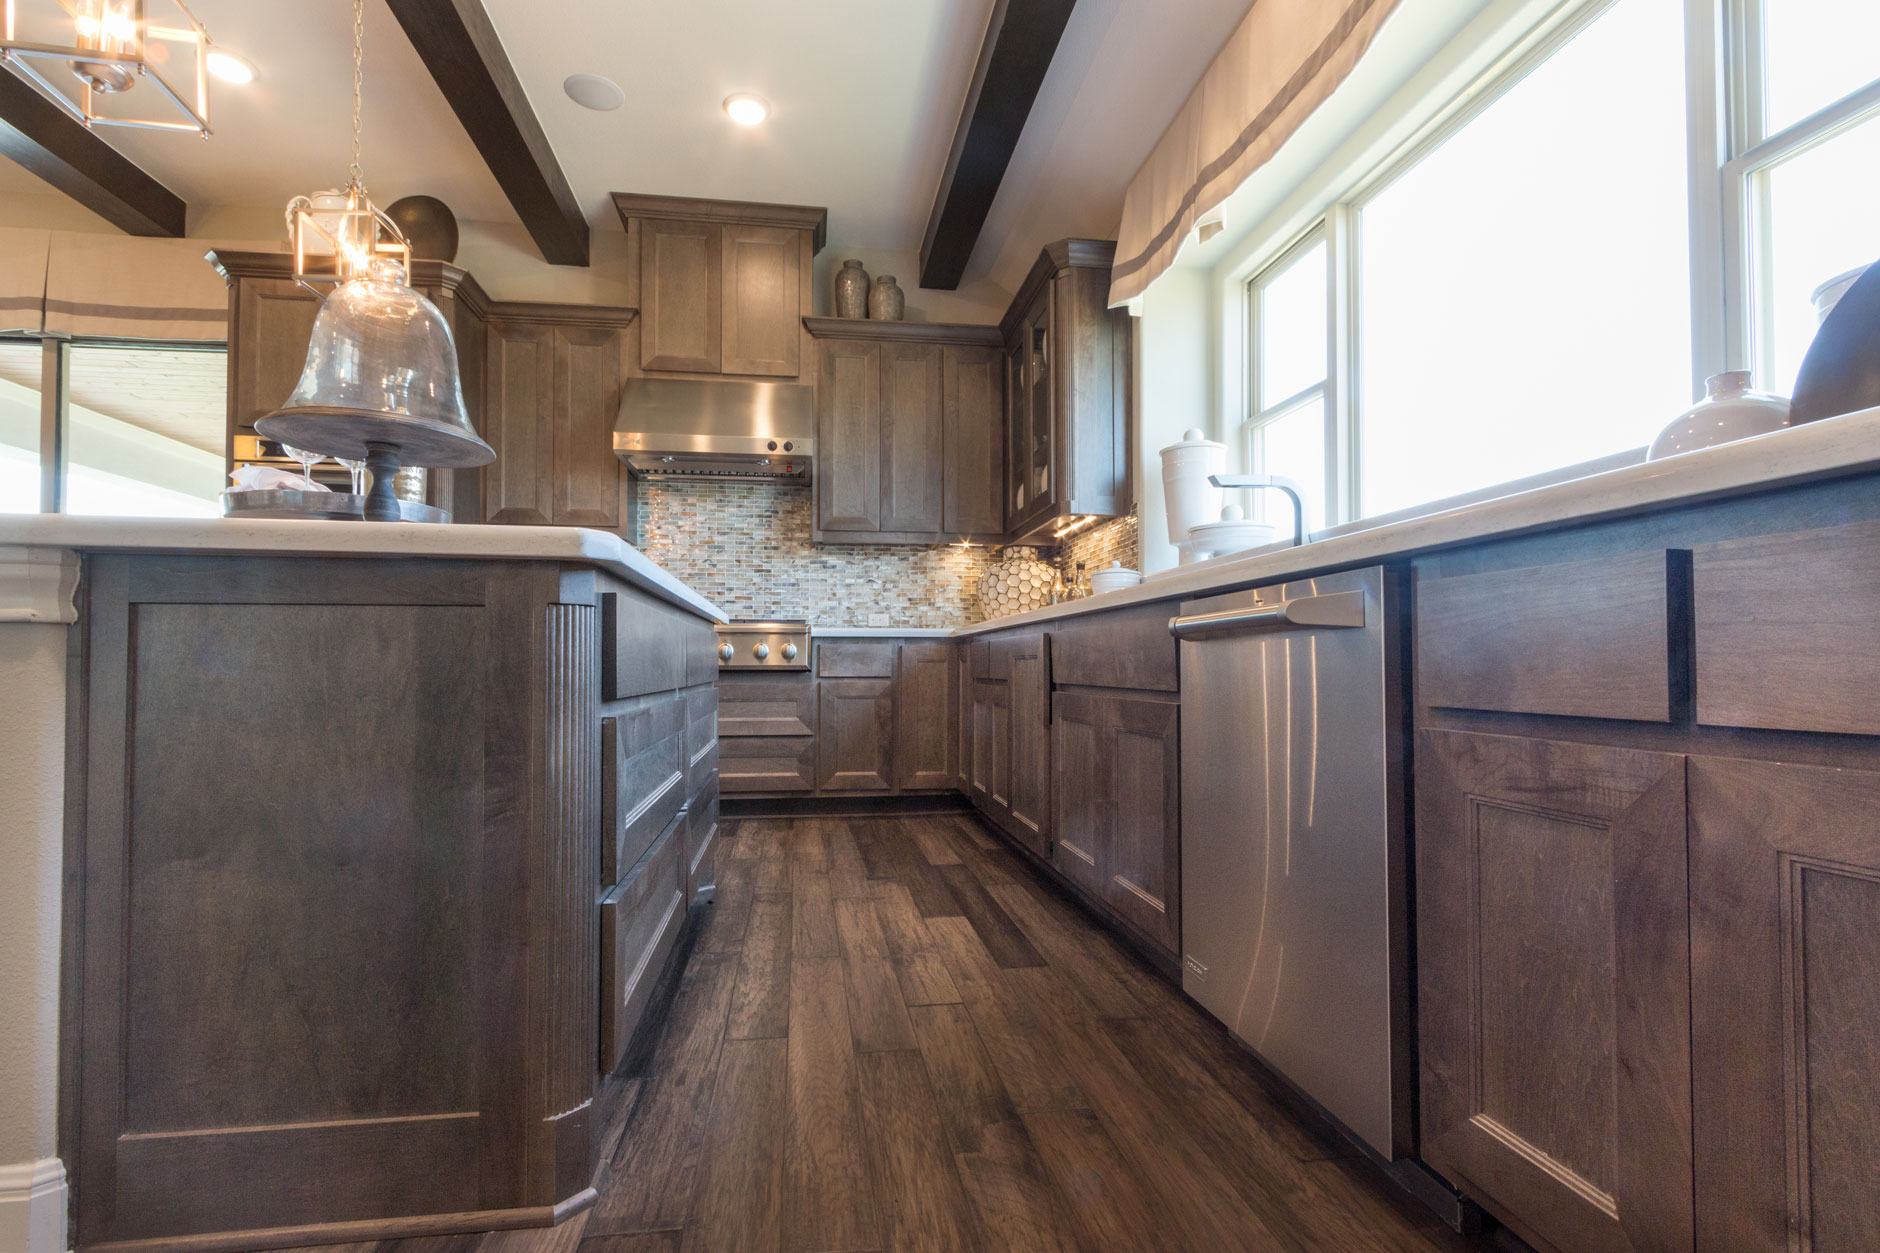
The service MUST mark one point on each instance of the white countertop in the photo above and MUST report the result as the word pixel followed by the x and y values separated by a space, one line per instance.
pixel 880 633
pixel 1829 448
pixel 577 545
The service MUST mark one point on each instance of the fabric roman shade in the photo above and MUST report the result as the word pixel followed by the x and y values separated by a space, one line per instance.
pixel 23 278
pixel 1280 64
pixel 133 288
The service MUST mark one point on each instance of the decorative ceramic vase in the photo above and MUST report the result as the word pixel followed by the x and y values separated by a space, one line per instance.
pixel 851 290
pixel 429 226
pixel 1730 411
pixel 886 302
pixel 1018 582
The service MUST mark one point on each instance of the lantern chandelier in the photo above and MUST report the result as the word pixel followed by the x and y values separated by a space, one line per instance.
pixel 113 47
pixel 342 227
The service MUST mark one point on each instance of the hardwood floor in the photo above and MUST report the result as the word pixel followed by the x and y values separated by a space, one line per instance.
pixel 891 1035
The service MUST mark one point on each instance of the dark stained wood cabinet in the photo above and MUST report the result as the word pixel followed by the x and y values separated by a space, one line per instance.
pixel 1068 382
pixel 990 780
pixel 767 733
pixel 855 735
pixel 378 968
pixel 552 376
pixel 1785 931
pixel 722 285
pixel 1118 834
pixel 1027 665
pixel 926 715
pixel 907 439
pixel 1554 985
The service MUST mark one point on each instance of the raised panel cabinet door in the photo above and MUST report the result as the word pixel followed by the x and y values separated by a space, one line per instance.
pixel 925 715
pixel 855 739
pixel 587 403
pixel 992 754
pixel 1553 971
pixel 518 422
pixel 910 437
pixel 973 433
pixel 1030 668
pixel 1144 883
pixel 763 306
pixel 681 296
pixel 848 436
pixel 1785 1033
pixel 267 346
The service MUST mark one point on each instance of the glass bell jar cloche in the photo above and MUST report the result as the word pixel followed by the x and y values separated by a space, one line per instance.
pixel 381 369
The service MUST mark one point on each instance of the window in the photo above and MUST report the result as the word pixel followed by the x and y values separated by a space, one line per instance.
pixel 1287 430
pixel 1541 277
pixel 142 432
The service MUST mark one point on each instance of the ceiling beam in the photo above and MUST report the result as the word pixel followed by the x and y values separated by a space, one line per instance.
pixel 460 47
pixel 50 142
pixel 1020 42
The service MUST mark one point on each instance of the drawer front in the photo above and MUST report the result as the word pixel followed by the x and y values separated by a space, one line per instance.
pixel 640 921
pixel 643 779
pixel 1128 648
pixel 648 645
pixel 701 841
pixel 766 706
pixel 1787 627
pixel 767 763
pixel 701 737
pixel 1583 639
pixel 855 659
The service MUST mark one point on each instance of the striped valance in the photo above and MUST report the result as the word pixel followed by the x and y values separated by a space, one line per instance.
pixel 121 286
pixel 1280 64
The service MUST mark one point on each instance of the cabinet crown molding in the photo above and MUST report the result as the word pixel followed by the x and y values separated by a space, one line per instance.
pixel 904 332
pixel 425 275
pixel 38 584
pixel 1054 259
pixel 802 217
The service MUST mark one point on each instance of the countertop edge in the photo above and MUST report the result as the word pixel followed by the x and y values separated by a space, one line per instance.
pixel 1830 448
pixel 292 537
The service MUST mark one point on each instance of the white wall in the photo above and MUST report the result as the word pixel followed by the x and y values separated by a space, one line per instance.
pixel 1173 372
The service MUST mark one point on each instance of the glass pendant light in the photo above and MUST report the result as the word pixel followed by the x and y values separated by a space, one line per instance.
pixel 381 382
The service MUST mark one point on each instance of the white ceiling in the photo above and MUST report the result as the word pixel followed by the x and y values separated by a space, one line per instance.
pixel 865 96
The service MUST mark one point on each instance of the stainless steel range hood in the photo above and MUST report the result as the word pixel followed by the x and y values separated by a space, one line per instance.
pixel 716 428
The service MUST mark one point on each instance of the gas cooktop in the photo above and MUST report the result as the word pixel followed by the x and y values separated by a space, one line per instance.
pixel 764 644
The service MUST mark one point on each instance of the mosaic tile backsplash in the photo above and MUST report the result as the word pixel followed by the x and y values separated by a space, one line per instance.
pixel 746 547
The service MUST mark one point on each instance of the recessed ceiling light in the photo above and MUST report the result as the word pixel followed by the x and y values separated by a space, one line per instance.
pixel 746 109
pixel 231 67
pixel 591 91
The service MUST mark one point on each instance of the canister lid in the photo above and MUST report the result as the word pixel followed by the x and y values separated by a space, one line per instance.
pixel 1193 438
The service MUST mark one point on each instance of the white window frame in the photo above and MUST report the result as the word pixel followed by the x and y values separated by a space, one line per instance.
pixel 1329 389
pixel 1729 159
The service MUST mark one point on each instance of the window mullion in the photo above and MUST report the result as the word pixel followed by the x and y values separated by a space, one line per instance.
pixel 1341 434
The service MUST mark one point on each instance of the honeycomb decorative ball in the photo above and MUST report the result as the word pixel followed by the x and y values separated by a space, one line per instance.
pixel 1018 582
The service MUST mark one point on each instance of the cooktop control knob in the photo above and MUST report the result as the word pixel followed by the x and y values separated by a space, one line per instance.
pixel 761 651
pixel 789 652
pixel 726 652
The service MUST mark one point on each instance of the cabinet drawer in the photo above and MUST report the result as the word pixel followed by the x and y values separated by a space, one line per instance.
pixel 701 839
pixel 1583 639
pixel 701 737
pixel 642 778
pixel 650 646
pixel 761 705
pixel 855 659
pixel 767 763
pixel 1787 630
pixel 1122 648
pixel 640 921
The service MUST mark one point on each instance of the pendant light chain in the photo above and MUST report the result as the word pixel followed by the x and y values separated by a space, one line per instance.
pixel 359 54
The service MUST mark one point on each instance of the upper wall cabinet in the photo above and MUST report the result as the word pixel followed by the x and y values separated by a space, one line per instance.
pixel 1067 391
pixel 722 286
pixel 552 378
pixel 908 446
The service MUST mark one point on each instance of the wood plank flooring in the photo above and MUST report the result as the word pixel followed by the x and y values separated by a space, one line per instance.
pixel 891 1035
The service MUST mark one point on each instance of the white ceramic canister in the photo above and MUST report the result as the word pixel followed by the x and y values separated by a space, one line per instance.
pixel 1114 579
pixel 1232 532
pixel 1186 493
pixel 1730 411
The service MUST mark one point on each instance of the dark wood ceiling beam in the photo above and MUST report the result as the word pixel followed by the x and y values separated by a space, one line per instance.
pixel 1020 42
pixel 58 148
pixel 460 47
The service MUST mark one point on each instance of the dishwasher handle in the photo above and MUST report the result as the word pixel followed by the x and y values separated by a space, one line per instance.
pixel 1334 610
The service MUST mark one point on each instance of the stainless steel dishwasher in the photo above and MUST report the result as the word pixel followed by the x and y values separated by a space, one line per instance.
pixel 1294 925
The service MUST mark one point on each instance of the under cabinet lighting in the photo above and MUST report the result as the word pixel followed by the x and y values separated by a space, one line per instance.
pixel 1075 525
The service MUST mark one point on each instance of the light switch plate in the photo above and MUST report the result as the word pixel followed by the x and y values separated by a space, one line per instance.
pixel 877 619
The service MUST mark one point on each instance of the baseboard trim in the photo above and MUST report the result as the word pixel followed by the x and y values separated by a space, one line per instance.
pixel 359 1232
pixel 32 1206
pixel 840 806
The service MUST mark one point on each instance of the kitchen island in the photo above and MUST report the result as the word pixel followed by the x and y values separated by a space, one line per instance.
pixel 339 827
